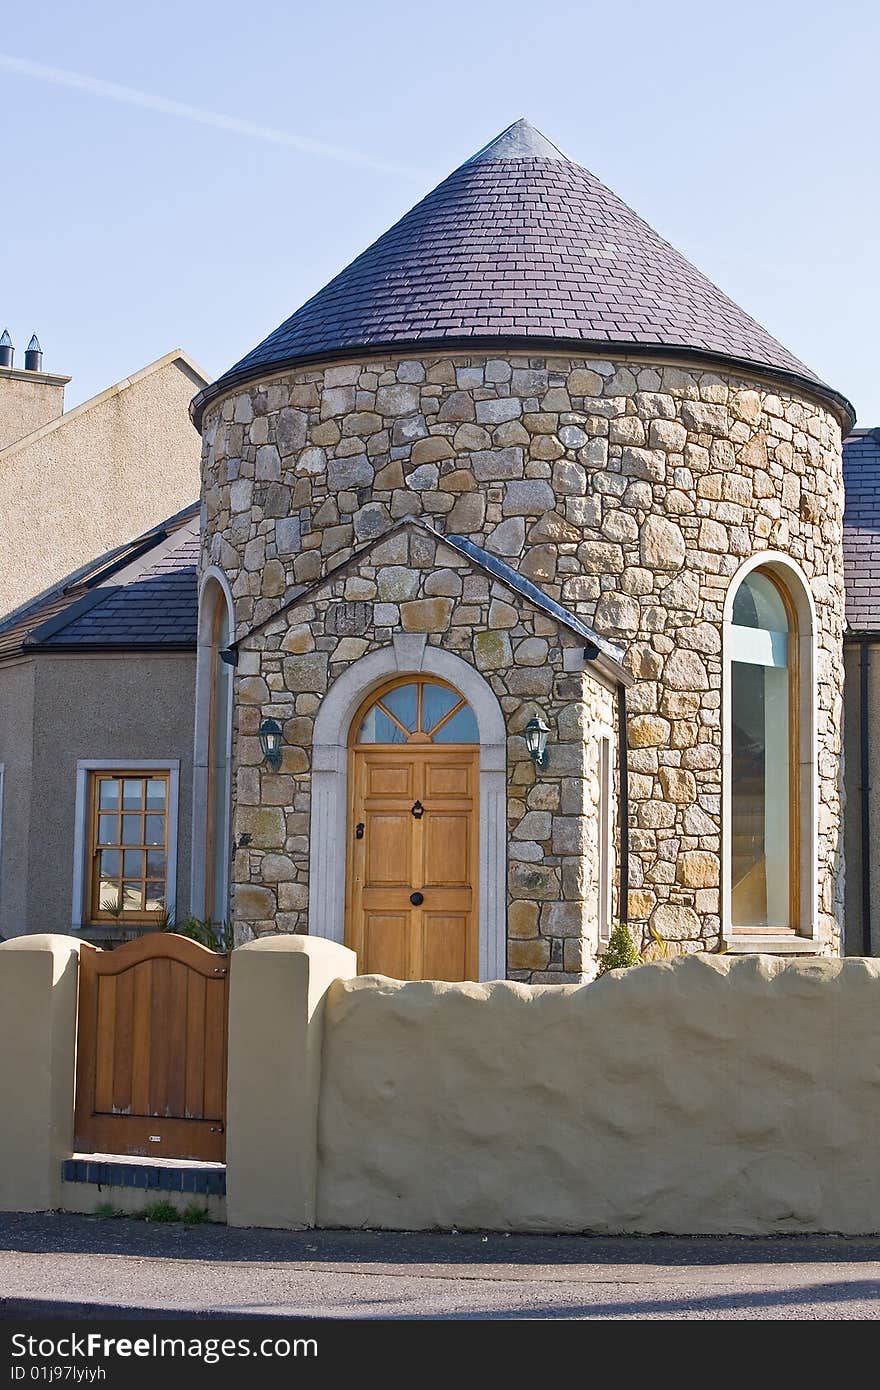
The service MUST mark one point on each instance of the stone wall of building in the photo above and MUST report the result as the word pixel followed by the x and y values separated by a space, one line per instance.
pixel 413 583
pixel 630 491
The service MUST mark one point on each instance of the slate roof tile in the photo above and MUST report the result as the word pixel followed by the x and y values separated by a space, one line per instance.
pixel 520 243
pixel 142 595
pixel 861 530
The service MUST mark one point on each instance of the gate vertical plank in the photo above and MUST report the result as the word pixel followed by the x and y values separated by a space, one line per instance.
pixel 195 1046
pixel 140 1076
pixel 175 1093
pixel 215 1049
pixel 160 1022
pixel 106 1044
pixel 123 1038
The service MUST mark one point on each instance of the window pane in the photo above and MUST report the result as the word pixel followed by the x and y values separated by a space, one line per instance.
pixel 461 728
pixel 109 863
pixel 758 603
pixel 156 794
pixel 402 704
pixel 219 839
pixel 378 728
pixel 155 863
pixel 108 829
pixel 132 897
pixel 108 794
pixel 155 897
pixel 109 896
pixel 132 792
pixel 760 840
pixel 436 701
pixel 132 829
pixel 133 863
pixel 155 831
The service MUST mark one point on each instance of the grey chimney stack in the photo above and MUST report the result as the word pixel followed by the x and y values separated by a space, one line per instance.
pixel 7 351
pixel 33 356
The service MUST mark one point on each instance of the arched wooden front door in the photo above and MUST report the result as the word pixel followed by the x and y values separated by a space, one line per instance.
pixel 411 909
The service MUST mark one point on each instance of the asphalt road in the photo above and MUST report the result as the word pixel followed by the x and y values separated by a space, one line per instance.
pixel 64 1265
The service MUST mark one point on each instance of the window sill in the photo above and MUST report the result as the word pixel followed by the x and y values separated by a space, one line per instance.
pixel 773 944
pixel 113 933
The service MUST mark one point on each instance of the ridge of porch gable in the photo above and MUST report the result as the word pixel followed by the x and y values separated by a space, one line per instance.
pixel 606 656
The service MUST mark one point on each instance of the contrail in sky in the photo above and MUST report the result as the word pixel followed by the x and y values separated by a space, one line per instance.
pixel 130 96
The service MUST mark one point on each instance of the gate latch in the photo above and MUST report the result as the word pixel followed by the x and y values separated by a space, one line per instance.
pixel 216 1129
pixel 418 810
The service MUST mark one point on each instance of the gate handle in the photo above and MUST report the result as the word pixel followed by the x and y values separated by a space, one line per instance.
pixel 416 899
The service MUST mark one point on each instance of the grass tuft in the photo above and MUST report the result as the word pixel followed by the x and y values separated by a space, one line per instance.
pixel 159 1211
pixel 194 1215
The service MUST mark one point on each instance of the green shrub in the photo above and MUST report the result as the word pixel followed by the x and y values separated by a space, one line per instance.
pixel 621 953
pixel 106 1210
pixel 217 936
pixel 160 1211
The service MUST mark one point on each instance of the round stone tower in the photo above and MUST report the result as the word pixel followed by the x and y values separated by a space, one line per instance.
pixel 522 362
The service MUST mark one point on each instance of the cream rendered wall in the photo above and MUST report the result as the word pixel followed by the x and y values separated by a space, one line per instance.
pixel 125 706
pixel 97 477
pixel 28 400
pixel 38 1000
pixel 16 756
pixel 709 1094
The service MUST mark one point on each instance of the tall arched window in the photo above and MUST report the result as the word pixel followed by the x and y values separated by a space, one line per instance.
pixel 218 847
pixel 763 783
pixel 213 747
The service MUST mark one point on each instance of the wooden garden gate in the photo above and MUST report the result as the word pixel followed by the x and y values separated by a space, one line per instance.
pixel 151 1049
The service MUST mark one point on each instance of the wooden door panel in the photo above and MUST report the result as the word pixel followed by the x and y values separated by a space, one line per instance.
pixel 385 944
pixel 151 1054
pixel 387 778
pixel 388 849
pixel 448 779
pixel 446 854
pixel 445 945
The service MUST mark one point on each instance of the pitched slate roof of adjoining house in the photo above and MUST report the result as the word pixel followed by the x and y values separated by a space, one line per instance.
pixel 861 530
pixel 143 595
pixel 520 244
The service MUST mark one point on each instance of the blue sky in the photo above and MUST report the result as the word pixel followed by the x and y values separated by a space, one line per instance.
pixel 132 223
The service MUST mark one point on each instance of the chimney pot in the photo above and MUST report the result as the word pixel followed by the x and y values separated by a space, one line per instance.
pixel 33 356
pixel 7 351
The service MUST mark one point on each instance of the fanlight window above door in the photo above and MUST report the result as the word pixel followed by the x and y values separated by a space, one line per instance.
pixel 419 712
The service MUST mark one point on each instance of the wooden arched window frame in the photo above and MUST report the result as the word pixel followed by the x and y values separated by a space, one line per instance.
pixel 217 850
pixel 414 709
pixel 765 768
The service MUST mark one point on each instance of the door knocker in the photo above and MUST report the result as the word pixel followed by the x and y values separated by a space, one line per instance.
pixel 418 810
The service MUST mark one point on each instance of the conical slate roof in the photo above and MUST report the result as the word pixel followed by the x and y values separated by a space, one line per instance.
pixel 523 247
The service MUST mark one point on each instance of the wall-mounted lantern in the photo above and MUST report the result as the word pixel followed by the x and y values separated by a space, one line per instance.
pixel 537 733
pixel 270 743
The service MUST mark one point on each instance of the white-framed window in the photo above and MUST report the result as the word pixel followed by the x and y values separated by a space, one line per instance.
pixel 125 842
pixel 769 757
